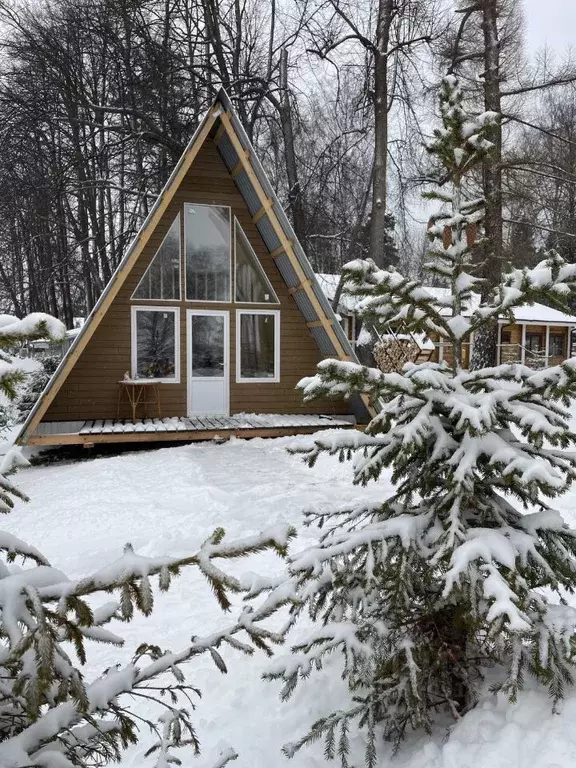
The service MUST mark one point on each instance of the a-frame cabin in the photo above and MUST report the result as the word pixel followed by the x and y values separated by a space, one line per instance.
pixel 210 320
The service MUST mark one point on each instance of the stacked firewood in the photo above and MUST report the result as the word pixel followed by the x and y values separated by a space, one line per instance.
pixel 391 353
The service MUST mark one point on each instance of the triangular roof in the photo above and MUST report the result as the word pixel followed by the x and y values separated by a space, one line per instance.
pixel 222 124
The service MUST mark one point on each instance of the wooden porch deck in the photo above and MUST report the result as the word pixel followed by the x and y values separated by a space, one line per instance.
pixel 177 428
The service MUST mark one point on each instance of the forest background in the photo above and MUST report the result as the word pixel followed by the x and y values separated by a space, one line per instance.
pixel 98 99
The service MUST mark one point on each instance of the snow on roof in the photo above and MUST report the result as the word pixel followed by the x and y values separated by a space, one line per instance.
pixel 525 314
pixel 329 284
pixel 536 313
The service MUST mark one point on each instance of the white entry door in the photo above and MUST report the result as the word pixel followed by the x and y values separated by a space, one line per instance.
pixel 208 362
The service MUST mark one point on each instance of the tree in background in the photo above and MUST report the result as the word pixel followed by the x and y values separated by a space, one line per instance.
pixel 541 173
pixel 486 51
pixel 423 591
pixel 390 35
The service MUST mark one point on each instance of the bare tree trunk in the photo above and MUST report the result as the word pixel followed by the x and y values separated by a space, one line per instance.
pixel 379 177
pixel 352 245
pixel 485 350
pixel 294 190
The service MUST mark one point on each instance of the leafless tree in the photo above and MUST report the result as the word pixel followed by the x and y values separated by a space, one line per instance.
pixel 388 32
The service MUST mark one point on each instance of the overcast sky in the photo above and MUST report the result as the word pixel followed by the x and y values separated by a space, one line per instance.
pixel 550 22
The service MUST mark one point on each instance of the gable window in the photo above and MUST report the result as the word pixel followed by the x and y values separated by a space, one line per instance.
pixel 252 285
pixel 257 345
pixel 155 344
pixel 208 253
pixel 162 278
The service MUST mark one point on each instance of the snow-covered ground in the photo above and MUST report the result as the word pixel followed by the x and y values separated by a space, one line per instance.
pixel 167 501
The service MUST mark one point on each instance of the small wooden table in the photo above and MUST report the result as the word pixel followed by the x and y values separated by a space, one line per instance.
pixel 139 393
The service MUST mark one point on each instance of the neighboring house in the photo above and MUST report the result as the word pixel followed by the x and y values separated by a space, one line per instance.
pixel 540 336
pixel 422 346
pixel 209 322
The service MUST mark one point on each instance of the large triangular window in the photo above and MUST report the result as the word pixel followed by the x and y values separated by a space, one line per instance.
pixel 252 285
pixel 162 278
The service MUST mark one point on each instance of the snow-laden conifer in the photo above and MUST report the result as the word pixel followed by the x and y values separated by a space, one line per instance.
pixel 51 714
pixel 35 383
pixel 467 564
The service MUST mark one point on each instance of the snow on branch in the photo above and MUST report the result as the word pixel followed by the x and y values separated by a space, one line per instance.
pixel 463 564
pixel 43 611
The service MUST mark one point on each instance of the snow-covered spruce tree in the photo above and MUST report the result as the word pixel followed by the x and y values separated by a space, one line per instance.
pixel 35 383
pixel 13 332
pixel 466 565
pixel 50 714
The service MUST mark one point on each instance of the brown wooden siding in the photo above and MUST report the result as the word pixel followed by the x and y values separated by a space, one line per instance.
pixel 511 352
pixel 90 391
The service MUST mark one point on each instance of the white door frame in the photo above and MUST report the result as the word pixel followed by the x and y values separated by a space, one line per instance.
pixel 203 312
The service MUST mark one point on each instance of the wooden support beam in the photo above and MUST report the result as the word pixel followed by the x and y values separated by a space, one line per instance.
pixel 279 251
pixel 315 324
pixel 266 208
pixel 300 287
pixel 219 133
pixel 239 167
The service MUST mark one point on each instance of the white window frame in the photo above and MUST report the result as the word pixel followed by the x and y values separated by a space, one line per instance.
pixel 275 302
pixel 270 380
pixel 184 256
pixel 179 297
pixel 134 342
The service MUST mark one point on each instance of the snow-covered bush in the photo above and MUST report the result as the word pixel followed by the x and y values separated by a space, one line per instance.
pixel 35 384
pixel 51 715
pixel 466 565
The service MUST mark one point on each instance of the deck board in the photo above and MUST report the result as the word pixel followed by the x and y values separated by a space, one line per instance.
pixel 182 428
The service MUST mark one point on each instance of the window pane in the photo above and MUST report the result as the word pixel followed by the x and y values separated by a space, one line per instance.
pixel 534 342
pixel 252 285
pixel 162 278
pixel 207 346
pixel 155 345
pixel 207 253
pixel 257 342
pixel 556 345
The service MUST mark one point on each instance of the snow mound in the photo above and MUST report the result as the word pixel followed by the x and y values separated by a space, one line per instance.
pixel 498 735
pixel 166 502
